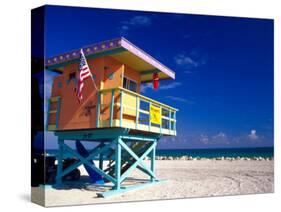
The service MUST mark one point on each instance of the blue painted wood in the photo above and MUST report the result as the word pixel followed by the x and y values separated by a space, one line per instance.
pixel 161 120
pixel 60 162
pixel 125 175
pixel 175 121
pixel 137 111
pixel 48 114
pixel 128 158
pixel 139 138
pixel 92 135
pixel 170 122
pixel 101 172
pixel 94 176
pixel 152 162
pixel 97 150
pixel 92 154
pixel 118 164
pixel 121 107
pixel 111 107
pixel 98 110
pixel 101 158
pixel 149 121
pixel 131 152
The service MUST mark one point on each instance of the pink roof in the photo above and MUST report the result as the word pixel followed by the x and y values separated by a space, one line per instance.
pixel 105 46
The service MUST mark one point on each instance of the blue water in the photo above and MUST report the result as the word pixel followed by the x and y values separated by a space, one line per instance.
pixel 210 153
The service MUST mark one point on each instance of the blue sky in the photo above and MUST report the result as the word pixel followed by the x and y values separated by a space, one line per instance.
pixel 224 68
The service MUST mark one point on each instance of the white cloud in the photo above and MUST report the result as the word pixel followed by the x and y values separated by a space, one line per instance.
pixel 175 98
pixel 220 135
pixel 253 135
pixel 169 86
pixel 204 139
pixel 138 20
pixel 179 99
pixel 145 87
pixel 183 60
pixel 134 22
pixel 191 61
pixel 220 138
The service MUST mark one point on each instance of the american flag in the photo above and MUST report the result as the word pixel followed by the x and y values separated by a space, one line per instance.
pixel 84 73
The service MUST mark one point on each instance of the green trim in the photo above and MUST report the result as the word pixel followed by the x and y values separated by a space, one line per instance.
pixel 92 135
pixel 86 162
pixel 151 71
pixel 118 164
pixel 98 110
pixel 137 162
pixel 137 112
pixel 111 108
pixel 121 107
pixel 140 163
pixel 52 127
pixel 52 111
pixel 152 163
pixel 60 162
pixel 54 99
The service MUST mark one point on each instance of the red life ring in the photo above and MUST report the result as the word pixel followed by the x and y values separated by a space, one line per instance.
pixel 155 81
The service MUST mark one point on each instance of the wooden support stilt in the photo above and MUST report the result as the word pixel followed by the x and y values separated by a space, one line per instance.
pixel 152 162
pixel 117 164
pixel 136 149
pixel 60 162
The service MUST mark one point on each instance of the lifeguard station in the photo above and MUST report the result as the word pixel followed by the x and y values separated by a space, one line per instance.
pixel 125 124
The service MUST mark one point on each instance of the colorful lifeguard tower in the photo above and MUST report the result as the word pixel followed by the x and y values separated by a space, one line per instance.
pixel 125 124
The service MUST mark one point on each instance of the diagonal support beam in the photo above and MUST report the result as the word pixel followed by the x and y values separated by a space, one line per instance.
pixel 97 150
pixel 141 164
pixel 135 164
pixel 84 161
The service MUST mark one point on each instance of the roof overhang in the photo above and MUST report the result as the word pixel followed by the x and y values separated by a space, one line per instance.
pixel 121 50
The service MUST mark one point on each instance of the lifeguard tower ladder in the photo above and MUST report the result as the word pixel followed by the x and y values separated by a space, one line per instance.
pixel 125 125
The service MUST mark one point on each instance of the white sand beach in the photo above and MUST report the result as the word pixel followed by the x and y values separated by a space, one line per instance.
pixel 190 178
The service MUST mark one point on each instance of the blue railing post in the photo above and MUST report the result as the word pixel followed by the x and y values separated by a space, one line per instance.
pixel 101 157
pixel 170 121
pixel 60 162
pixel 174 120
pixel 161 120
pixel 118 164
pixel 152 160
pixel 137 111
pixel 98 110
pixel 149 122
pixel 48 114
pixel 111 107
pixel 121 107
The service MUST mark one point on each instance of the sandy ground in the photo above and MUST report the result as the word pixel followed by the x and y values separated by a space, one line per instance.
pixel 183 179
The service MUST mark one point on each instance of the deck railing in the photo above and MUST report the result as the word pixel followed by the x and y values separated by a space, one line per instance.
pixel 132 110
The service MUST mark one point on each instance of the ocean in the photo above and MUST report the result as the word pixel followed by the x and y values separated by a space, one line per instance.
pixel 220 152
pixel 210 153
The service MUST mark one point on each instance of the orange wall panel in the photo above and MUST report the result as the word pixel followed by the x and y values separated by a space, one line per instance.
pixel 108 73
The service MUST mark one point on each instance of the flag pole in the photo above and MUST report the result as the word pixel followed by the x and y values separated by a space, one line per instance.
pixel 94 83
